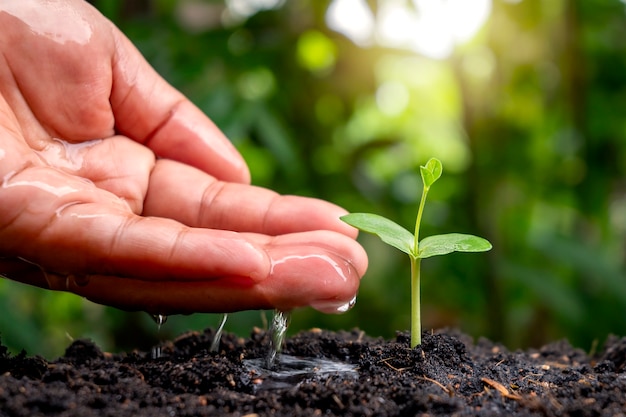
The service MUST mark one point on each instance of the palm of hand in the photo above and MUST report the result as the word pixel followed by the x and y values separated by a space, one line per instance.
pixel 112 178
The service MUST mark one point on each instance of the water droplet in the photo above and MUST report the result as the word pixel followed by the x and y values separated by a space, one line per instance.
pixel 159 319
pixel 347 306
pixel 49 22
pixel 334 307
pixel 277 332
pixel 215 344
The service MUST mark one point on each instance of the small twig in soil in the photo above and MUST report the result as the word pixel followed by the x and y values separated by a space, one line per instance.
pixel 544 385
pixel 439 384
pixel 338 402
pixel 385 361
pixel 501 389
pixel 360 338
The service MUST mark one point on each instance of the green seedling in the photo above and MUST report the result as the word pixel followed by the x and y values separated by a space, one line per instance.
pixel 397 236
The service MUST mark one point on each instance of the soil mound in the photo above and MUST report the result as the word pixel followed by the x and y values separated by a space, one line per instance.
pixel 331 374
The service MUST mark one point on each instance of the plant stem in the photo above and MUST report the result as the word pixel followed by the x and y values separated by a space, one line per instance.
pixel 418 220
pixel 416 319
pixel 416 313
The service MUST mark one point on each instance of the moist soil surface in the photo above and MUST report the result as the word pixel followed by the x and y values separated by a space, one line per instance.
pixel 328 374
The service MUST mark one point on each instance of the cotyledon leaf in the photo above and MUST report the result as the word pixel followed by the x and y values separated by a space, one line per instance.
pixel 452 242
pixel 390 232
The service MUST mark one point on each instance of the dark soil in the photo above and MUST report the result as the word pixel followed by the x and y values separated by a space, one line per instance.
pixel 447 375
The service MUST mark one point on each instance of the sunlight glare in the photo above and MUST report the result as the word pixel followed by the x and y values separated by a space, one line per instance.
pixel 353 18
pixel 437 27
pixel 434 30
pixel 247 8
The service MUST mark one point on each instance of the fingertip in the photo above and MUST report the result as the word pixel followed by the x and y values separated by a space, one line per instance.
pixel 359 260
pixel 346 229
pixel 311 275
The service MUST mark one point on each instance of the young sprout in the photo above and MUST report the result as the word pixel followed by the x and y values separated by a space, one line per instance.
pixel 395 235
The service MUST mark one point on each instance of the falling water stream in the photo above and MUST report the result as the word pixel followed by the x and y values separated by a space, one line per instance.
pixel 277 332
pixel 215 344
pixel 159 319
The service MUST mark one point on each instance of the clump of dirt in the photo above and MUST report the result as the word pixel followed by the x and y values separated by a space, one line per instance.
pixel 448 374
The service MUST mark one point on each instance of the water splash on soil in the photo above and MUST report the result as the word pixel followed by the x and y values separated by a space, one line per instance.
pixel 289 371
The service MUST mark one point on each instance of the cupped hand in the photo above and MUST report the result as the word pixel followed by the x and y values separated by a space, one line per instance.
pixel 115 187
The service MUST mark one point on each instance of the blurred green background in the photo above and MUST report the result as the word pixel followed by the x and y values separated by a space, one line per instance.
pixel 522 100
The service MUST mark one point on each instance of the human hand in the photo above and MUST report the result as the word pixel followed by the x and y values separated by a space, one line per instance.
pixel 115 187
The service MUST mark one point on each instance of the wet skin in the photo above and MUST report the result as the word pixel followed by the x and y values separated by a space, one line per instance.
pixel 117 188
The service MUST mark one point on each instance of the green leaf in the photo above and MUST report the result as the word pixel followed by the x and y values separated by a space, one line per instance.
pixel 431 171
pixel 427 176
pixel 390 232
pixel 434 165
pixel 453 242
